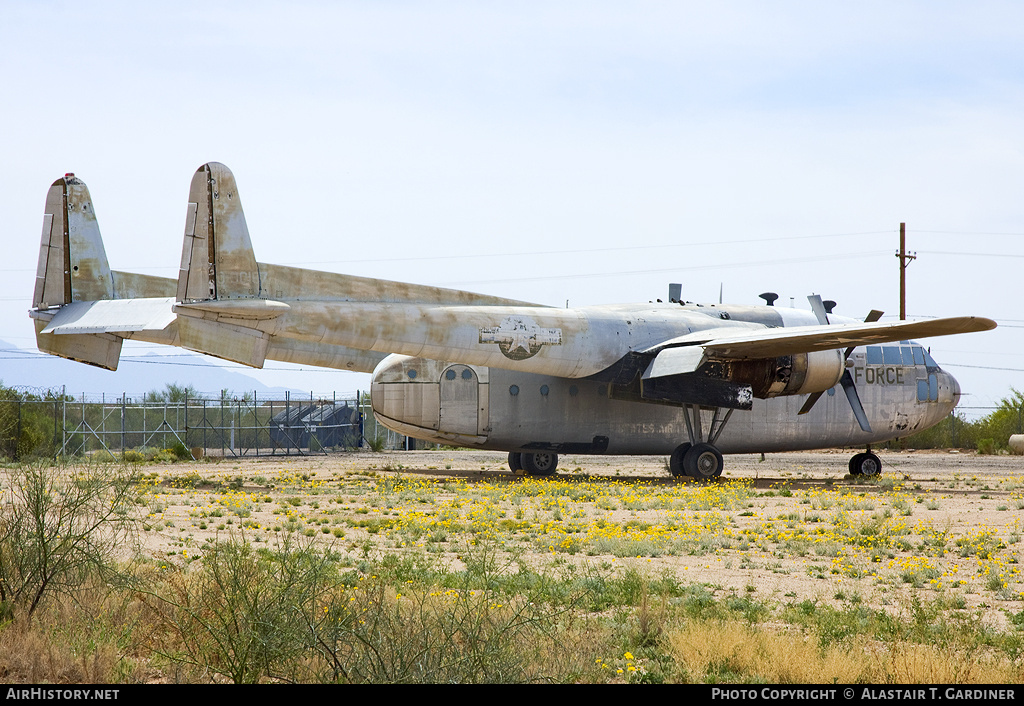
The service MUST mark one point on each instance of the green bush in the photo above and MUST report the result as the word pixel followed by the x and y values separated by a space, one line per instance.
pixel 247 614
pixel 991 431
pixel 26 425
pixel 60 528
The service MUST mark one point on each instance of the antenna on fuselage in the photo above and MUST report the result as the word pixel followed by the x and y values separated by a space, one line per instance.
pixel 769 298
pixel 675 292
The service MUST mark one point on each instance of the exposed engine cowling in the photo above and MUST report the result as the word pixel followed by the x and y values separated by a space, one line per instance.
pixel 797 374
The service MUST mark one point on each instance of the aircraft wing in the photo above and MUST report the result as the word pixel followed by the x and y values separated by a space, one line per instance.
pixel 778 342
pixel 726 344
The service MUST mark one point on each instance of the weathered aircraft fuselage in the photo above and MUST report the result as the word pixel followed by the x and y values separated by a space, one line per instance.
pixel 902 390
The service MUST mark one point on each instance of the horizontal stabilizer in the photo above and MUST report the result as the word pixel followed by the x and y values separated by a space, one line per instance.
pixel 112 316
pixel 255 309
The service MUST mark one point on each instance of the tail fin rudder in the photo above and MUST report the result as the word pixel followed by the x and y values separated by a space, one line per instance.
pixel 81 309
pixel 217 264
pixel 73 267
pixel 217 260
pixel 72 261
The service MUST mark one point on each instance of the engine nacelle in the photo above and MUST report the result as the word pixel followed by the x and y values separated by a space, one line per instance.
pixel 797 374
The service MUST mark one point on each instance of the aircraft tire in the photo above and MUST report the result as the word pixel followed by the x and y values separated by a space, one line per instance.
pixel 539 464
pixel 675 461
pixel 703 462
pixel 865 464
pixel 515 462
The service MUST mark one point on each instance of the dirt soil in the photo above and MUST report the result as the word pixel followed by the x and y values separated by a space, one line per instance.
pixel 938 525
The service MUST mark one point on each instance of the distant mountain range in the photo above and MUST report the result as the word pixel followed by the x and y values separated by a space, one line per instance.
pixel 135 376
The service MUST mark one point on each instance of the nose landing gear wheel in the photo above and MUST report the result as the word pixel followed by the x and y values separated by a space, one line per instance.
pixel 703 461
pixel 865 464
pixel 539 464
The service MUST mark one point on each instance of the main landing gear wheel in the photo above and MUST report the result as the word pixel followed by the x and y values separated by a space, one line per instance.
pixel 537 464
pixel 865 464
pixel 675 461
pixel 703 461
pixel 515 462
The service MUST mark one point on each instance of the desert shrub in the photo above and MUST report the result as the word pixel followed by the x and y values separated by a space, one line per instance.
pixel 59 528
pixel 245 614
pixel 180 451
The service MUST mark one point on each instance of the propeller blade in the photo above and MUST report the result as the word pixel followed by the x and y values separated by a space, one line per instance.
pixel 819 313
pixel 818 307
pixel 851 394
pixel 811 399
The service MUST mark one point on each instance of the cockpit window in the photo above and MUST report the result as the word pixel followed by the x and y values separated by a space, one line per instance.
pixel 891 355
pixel 874 355
pixel 918 355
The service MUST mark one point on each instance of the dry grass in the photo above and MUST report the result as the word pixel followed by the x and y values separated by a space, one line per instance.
pixel 723 651
pixel 733 651
pixel 97 640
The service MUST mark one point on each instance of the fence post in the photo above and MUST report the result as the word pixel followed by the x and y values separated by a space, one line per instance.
pixel 63 420
pixel 17 432
pixel 124 396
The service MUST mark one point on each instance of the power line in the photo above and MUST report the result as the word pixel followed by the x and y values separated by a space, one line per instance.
pixel 531 253
pixel 619 273
pixel 982 367
pixel 683 268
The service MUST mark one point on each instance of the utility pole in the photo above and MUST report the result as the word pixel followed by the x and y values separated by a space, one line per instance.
pixel 905 259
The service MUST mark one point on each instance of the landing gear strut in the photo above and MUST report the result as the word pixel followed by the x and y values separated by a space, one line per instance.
pixel 865 464
pixel 700 458
pixel 533 464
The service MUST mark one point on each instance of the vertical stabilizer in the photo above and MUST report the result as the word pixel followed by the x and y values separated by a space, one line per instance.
pixel 73 267
pixel 217 261
pixel 72 261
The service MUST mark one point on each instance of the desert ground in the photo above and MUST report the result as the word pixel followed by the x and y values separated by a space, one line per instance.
pixel 786 528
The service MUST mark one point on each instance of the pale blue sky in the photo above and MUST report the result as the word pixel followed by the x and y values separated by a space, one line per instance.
pixel 585 151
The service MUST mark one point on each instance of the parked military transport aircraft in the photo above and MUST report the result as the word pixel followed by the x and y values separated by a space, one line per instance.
pixel 687 380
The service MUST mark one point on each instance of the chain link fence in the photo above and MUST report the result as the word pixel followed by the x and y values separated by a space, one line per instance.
pixel 37 422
